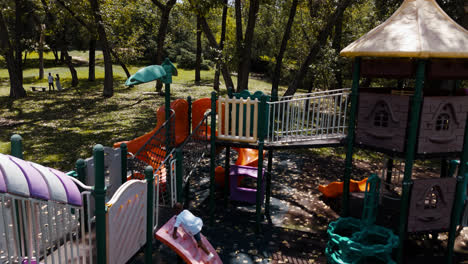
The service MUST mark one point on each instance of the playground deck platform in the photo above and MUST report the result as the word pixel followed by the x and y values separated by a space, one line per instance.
pixel 309 143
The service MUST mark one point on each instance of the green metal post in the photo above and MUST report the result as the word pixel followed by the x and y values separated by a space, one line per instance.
pixel 350 138
pixel 17 151
pixel 17 146
pixel 80 167
pixel 167 104
pixel 81 170
pixel 460 197
pixel 149 214
pixel 100 200
pixel 456 214
pixel 410 154
pixel 268 182
pixel 444 168
pixel 189 101
pixel 179 174
pixel 371 201
pixel 464 157
pixel 452 167
pixel 123 161
pixel 212 157
pixel 261 141
pixel 388 177
pixel 227 166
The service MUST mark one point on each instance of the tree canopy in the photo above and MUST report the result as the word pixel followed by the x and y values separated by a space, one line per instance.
pixel 295 43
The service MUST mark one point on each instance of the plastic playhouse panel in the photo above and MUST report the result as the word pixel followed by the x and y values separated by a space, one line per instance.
pixel 431 204
pixel 382 121
pixel 442 124
pixel 126 221
pixel 185 245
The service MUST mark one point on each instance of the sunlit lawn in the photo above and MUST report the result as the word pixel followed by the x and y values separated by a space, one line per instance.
pixel 58 128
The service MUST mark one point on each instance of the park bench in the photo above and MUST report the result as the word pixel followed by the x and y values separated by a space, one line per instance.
pixel 38 88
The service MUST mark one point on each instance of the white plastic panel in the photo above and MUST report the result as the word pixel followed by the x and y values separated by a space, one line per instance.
pixel 126 221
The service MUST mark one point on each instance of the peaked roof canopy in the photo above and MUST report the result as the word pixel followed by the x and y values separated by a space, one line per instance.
pixel 418 29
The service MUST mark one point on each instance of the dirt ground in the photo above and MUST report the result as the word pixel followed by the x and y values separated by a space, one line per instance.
pixel 295 231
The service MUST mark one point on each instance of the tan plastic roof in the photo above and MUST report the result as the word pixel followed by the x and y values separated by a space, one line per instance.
pixel 418 29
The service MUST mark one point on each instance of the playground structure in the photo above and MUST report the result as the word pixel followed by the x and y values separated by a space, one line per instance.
pixel 104 211
pixel 51 217
pixel 403 127
pixel 425 121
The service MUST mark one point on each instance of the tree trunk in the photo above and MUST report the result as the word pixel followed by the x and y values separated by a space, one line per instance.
pixel 92 60
pixel 69 62
pixel 221 46
pixel 336 45
pixel 465 17
pixel 55 52
pixel 16 82
pixel 284 43
pixel 211 39
pixel 317 45
pixel 41 53
pixel 198 58
pixel 246 49
pixel 165 12
pixel 108 76
pixel 18 35
pixel 25 57
pixel 14 71
pixel 239 37
pixel 120 62
pixel 62 57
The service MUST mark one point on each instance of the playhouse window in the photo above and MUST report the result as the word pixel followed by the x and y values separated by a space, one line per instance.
pixel 432 198
pixel 443 122
pixel 381 119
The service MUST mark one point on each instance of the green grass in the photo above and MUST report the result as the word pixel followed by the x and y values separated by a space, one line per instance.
pixel 58 128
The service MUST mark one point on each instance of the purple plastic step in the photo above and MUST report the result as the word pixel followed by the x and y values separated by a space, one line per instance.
pixel 243 194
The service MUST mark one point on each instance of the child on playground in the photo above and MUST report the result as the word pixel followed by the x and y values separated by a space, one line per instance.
pixel 191 224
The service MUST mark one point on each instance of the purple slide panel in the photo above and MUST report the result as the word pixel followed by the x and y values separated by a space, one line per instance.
pixel 73 194
pixel 37 185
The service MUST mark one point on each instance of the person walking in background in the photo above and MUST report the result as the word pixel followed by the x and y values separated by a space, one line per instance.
pixel 51 81
pixel 57 83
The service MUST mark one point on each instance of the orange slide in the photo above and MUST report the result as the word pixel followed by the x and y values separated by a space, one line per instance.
pixel 335 189
pixel 180 107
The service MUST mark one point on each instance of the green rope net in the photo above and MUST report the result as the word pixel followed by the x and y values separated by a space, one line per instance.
pixel 353 241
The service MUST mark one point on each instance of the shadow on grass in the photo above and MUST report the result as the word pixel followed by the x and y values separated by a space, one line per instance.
pixel 60 127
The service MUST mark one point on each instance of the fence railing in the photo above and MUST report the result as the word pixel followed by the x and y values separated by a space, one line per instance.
pixel 33 231
pixel 319 115
pixel 243 125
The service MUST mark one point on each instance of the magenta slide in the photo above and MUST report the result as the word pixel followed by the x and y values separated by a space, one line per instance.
pixel 185 245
